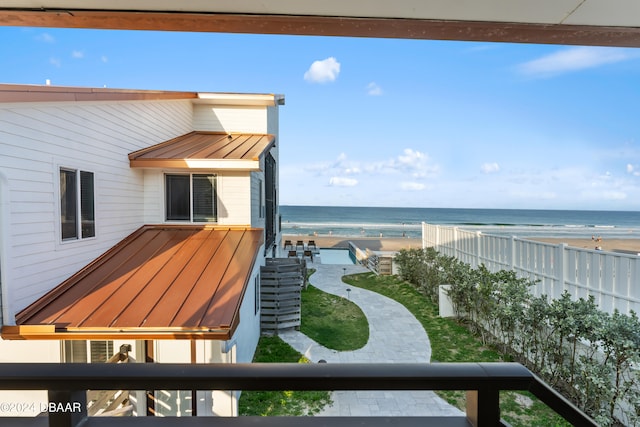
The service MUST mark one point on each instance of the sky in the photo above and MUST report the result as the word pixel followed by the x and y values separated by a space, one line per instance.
pixel 387 122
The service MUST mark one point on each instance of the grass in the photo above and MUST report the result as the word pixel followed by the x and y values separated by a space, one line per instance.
pixel 332 321
pixel 280 403
pixel 452 342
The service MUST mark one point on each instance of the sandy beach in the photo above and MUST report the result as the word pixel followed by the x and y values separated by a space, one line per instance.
pixel 371 243
pixel 629 246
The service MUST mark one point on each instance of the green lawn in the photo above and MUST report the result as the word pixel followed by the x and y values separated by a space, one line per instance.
pixel 452 342
pixel 275 403
pixel 332 321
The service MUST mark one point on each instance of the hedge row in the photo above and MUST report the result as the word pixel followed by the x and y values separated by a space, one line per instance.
pixel 590 356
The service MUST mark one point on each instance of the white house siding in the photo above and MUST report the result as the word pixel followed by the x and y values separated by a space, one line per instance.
pixel 257 189
pixel 234 195
pixel 240 349
pixel 36 139
pixel 4 232
pixel 273 123
pixel 248 332
pixel 234 198
pixel 153 196
pixel 26 403
pixel 230 119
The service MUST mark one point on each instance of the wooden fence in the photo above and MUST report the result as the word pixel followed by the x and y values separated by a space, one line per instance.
pixel 281 283
pixel 612 278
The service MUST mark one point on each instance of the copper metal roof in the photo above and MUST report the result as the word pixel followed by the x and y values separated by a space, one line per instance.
pixel 161 282
pixel 211 150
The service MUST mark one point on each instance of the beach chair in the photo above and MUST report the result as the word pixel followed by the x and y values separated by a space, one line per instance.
pixel 307 254
pixel 293 254
pixel 288 244
pixel 312 244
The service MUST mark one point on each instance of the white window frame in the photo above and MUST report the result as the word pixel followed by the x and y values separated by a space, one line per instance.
pixel 261 205
pixel 78 238
pixel 190 175
pixel 68 358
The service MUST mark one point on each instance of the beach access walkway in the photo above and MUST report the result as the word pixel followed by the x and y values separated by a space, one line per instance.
pixel 395 336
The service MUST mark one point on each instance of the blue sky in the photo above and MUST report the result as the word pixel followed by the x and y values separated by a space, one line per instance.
pixel 380 122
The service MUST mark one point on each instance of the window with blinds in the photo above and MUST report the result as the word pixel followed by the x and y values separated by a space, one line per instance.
pixel 80 351
pixel 191 198
pixel 204 197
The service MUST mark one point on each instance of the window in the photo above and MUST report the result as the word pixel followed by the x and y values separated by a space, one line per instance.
pixel 77 207
pixel 256 289
pixel 87 351
pixel 191 198
pixel 260 199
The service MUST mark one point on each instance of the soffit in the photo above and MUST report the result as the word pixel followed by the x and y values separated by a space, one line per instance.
pixel 581 12
pixel 162 282
pixel 589 22
pixel 206 150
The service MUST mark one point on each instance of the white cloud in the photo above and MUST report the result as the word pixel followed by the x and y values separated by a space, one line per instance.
pixel 323 71
pixel 55 62
pixel 615 195
pixel 340 165
pixel 633 170
pixel 414 162
pixel 77 54
pixel 412 186
pixel 490 167
pixel 104 59
pixel 338 181
pixel 352 171
pixel 374 89
pixel 574 59
pixel 46 38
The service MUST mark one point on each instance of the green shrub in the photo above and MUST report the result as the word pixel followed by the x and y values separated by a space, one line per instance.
pixel 589 355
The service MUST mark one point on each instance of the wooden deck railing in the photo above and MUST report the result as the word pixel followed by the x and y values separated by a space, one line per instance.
pixel 111 402
pixel 483 381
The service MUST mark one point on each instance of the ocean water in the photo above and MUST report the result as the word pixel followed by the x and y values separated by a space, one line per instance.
pixel 396 222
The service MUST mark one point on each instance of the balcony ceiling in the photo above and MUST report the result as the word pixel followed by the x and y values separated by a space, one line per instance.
pixel 587 22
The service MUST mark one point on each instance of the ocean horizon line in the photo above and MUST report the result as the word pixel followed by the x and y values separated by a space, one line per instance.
pixel 459 208
pixel 407 222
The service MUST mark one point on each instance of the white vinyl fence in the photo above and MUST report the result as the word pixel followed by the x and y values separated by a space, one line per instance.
pixel 612 278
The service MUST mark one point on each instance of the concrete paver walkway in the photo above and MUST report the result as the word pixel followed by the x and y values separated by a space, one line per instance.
pixel 395 336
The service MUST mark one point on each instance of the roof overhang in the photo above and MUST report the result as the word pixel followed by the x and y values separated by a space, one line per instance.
pixel 161 282
pixel 51 332
pixel 43 93
pixel 241 99
pixel 206 150
pixel 586 22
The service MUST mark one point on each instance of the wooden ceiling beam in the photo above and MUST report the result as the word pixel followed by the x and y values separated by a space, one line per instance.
pixel 326 26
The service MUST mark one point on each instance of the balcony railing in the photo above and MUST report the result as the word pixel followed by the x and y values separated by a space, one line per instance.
pixel 67 385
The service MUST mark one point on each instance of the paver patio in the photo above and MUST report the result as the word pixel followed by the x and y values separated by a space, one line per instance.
pixel 395 336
